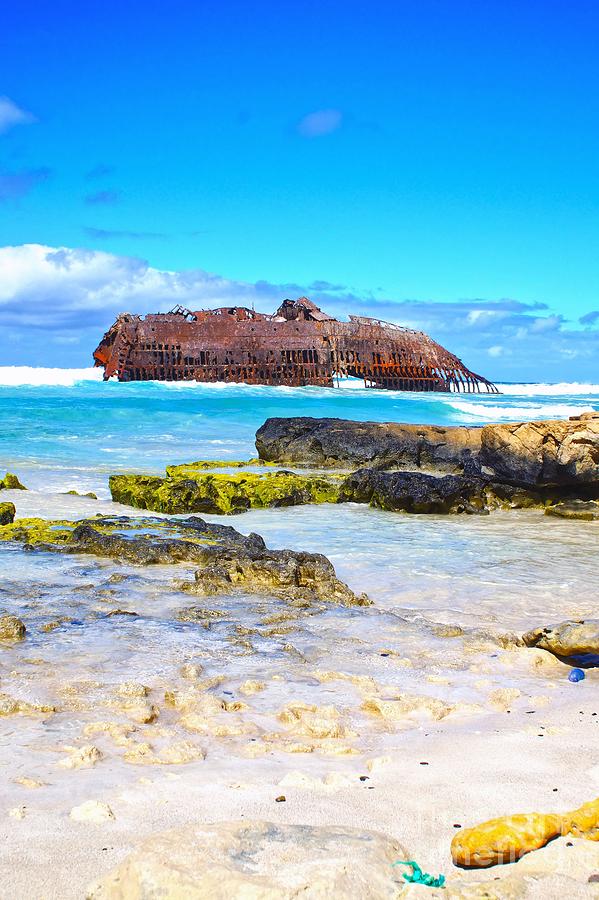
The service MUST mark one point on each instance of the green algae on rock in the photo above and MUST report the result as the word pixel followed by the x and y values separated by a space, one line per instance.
pixel 7 513
pixel 189 489
pixel 10 482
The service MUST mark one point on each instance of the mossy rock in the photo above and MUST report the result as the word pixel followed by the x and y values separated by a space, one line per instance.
pixel 190 490
pixel 7 513
pixel 90 495
pixel 10 482
pixel 187 469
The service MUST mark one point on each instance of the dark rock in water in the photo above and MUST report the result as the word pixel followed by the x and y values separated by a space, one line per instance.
pixel 346 444
pixel 586 510
pixel 228 560
pixel 290 573
pixel 576 642
pixel 560 454
pixel 557 453
pixel 7 513
pixel 415 492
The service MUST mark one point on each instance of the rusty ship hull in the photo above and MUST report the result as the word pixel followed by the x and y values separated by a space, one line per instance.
pixel 299 345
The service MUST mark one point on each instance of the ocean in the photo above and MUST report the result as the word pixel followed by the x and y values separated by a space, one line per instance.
pixel 65 429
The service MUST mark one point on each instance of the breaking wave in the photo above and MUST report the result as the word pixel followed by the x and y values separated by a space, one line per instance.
pixel 524 412
pixel 570 389
pixel 18 376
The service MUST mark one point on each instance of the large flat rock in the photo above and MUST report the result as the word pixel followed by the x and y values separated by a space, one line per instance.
pixel 345 444
pixel 255 861
pixel 554 454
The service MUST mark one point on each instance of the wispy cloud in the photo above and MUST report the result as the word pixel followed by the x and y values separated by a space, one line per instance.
pixel 11 115
pixel 102 170
pixel 591 318
pixel 107 233
pixel 100 198
pixel 319 123
pixel 14 185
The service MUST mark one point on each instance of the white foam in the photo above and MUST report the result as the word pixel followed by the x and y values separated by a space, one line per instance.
pixel 523 413
pixel 565 388
pixel 16 376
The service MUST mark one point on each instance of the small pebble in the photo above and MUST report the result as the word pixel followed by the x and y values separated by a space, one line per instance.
pixel 363 777
pixel 424 764
pixel 280 799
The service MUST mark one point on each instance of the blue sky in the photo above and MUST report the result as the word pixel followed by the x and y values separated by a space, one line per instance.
pixel 436 163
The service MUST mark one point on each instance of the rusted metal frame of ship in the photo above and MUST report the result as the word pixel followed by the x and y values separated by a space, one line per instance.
pixel 299 345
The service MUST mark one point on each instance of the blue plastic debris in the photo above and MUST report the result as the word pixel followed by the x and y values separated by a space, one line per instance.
pixel 576 675
pixel 417 876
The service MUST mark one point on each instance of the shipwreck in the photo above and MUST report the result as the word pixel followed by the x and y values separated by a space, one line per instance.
pixel 299 345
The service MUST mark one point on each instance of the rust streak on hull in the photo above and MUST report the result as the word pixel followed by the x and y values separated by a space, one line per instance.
pixel 299 345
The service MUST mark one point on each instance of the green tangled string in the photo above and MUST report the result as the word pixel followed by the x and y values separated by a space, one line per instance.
pixel 418 876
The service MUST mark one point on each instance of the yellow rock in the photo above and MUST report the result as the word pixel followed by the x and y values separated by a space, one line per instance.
pixel 503 840
pixel 584 822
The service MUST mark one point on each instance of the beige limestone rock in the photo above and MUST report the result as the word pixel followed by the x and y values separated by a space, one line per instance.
pixel 251 687
pixel 568 639
pixel 17 812
pixel 31 783
pixel 132 689
pixel 405 706
pixel 11 629
pixel 257 861
pixel 561 452
pixel 11 706
pixel 81 757
pixel 95 811
pixel 313 721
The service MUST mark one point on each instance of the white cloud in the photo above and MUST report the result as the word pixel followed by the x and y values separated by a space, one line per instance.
pixel 57 288
pixel 11 115
pixel 496 350
pixel 319 123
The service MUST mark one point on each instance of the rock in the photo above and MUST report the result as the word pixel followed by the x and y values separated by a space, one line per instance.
pixel 7 513
pixel 92 811
pixel 562 453
pixel 187 490
pixel 81 757
pixel 415 492
pixel 228 560
pixel 10 482
pixel 10 706
pixel 31 783
pixel 346 444
pixel 289 573
pixel 313 721
pixel 503 840
pixel 11 629
pixel 17 812
pixel 585 510
pixel 576 642
pixel 584 822
pixel 90 494
pixel 402 707
pixel 257 860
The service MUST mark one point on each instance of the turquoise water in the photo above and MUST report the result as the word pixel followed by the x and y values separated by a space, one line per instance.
pixel 66 430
